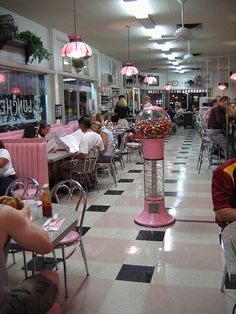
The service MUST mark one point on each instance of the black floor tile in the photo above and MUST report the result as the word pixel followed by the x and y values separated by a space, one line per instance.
pixel 139 163
pixel 135 171
pixel 41 263
pixel 179 163
pixel 175 171
pixel 113 192
pixel 97 208
pixel 229 284
pixel 126 180
pixel 182 157
pixel 149 235
pixel 135 273
pixel 171 193
pixel 84 229
pixel 181 152
pixel 171 181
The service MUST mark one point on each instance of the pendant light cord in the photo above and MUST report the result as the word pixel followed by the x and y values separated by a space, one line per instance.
pixel 128 27
pixel 75 19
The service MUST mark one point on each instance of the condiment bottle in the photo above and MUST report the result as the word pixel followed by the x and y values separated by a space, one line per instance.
pixel 46 201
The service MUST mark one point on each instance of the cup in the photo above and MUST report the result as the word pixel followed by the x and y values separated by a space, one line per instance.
pixel 33 206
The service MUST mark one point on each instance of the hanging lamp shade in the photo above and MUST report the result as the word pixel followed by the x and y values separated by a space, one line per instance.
pixel 15 90
pixel 129 69
pixel 2 78
pixel 233 76
pixel 167 86
pixel 149 80
pixel 76 48
pixel 222 86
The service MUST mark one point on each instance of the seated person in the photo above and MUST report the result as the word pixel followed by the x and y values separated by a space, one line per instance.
pixel 92 117
pixel 30 131
pixel 36 294
pixel 89 140
pixel 43 129
pixel 108 142
pixel 100 118
pixel 224 192
pixel 108 120
pixel 7 172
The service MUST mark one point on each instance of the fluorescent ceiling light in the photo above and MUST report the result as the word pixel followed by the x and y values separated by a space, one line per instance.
pixel 175 62
pixel 164 47
pixel 140 8
pixel 171 56
pixel 156 32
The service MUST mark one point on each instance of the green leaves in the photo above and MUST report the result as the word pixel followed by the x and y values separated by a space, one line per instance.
pixel 34 47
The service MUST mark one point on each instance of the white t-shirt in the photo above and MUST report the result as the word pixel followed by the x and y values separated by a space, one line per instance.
pixel 89 141
pixel 8 169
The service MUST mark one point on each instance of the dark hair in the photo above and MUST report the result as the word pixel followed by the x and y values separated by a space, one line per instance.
pixel 43 125
pixel 30 131
pixel 2 144
pixel 85 122
pixel 121 96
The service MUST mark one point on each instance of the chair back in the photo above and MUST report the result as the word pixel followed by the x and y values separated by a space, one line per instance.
pixel 24 187
pixel 91 160
pixel 67 191
pixel 123 142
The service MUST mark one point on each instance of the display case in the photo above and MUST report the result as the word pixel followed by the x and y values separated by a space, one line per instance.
pixel 106 103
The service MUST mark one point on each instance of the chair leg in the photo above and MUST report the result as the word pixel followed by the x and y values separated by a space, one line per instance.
pixel 113 173
pixel 25 264
pixel 65 272
pixel 55 258
pixel 84 256
pixel 115 167
pixel 223 279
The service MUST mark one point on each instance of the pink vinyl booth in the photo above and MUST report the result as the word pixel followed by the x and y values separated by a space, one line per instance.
pixel 29 158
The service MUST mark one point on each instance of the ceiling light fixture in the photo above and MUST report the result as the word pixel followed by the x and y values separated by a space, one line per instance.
pixel 189 56
pixel 233 76
pixel 150 80
pixel 140 8
pixel 15 90
pixel 222 86
pixel 2 78
pixel 129 69
pixel 167 86
pixel 76 48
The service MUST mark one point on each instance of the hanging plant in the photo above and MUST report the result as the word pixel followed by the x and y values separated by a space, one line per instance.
pixel 78 64
pixel 34 50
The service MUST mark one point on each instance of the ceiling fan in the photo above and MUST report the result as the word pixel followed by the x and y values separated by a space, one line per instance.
pixel 182 33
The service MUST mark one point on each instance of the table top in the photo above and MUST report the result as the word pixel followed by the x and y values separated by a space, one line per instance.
pixel 64 211
pixel 58 155
pixel 230 257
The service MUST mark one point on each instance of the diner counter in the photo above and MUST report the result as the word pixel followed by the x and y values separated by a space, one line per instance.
pixel 58 155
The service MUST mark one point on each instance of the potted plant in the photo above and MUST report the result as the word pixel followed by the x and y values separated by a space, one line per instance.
pixel 34 49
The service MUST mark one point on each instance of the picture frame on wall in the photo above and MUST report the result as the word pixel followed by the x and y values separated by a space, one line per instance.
pixel 58 111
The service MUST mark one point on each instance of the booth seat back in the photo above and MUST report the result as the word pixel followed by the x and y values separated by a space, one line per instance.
pixel 12 134
pixel 69 129
pixel 29 158
pixel 74 124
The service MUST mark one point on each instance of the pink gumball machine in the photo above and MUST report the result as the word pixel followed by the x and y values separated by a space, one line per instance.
pixel 152 125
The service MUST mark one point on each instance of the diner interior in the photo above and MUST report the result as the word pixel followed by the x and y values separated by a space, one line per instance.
pixel 139 230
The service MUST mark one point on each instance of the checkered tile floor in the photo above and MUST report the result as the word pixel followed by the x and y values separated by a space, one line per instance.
pixel 139 270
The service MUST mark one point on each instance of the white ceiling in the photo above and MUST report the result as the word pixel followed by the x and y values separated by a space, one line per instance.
pixel 102 24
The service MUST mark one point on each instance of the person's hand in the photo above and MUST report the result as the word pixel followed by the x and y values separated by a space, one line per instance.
pixel 2 198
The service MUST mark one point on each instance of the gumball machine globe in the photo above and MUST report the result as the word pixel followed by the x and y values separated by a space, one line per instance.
pixel 152 125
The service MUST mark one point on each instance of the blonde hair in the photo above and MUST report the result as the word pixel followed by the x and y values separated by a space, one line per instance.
pixel 122 103
pixel 146 99
pixel 96 126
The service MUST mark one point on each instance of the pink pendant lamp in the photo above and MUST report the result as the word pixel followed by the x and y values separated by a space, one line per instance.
pixel 76 48
pixel 128 69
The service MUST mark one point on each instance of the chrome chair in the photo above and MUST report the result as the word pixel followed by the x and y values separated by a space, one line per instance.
pixel 24 187
pixel 132 146
pixel 83 169
pixel 74 239
pixel 106 166
pixel 120 151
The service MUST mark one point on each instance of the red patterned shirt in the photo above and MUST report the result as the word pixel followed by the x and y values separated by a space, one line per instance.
pixel 223 187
